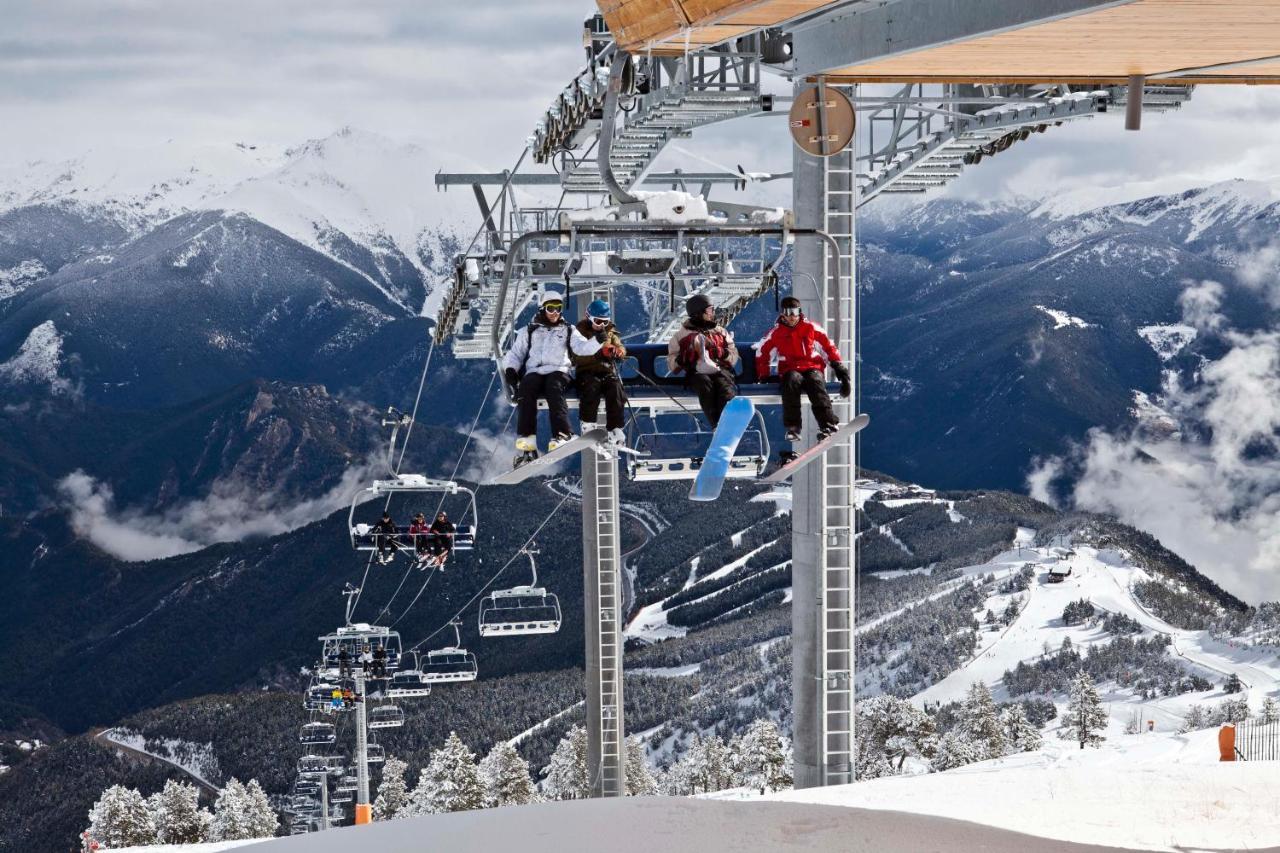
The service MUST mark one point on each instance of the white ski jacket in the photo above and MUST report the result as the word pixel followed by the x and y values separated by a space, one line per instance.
pixel 539 348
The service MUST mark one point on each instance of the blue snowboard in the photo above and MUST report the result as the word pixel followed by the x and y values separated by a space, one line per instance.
pixel 734 421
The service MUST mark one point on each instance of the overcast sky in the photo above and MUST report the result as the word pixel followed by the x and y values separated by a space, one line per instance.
pixel 469 79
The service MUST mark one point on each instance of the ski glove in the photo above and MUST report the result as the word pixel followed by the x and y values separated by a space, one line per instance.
pixel 609 351
pixel 842 373
pixel 513 379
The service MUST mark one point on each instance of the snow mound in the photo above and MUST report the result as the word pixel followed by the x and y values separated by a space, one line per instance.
pixel 1155 792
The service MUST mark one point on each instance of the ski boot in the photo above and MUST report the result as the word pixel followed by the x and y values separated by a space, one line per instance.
pixel 792 435
pixel 557 440
pixel 617 437
pixel 786 457
pixel 526 450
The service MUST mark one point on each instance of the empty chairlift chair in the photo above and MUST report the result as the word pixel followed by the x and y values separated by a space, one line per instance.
pixel 451 663
pixel 408 682
pixel 309 764
pixel 375 753
pixel 386 717
pixel 314 734
pixel 520 610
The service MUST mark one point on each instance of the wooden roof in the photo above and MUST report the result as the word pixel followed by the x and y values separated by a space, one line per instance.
pixel 1147 37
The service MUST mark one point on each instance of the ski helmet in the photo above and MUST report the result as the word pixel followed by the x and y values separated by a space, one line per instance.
pixel 598 310
pixel 550 296
pixel 790 302
pixel 697 305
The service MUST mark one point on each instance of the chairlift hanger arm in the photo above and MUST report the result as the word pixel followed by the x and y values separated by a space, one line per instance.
pixel 655 230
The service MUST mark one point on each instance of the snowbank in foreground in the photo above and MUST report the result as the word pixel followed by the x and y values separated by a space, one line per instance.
pixel 208 847
pixel 1151 792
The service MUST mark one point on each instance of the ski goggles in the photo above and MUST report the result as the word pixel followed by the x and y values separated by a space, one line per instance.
pixel 599 321
pixel 791 312
pixel 553 306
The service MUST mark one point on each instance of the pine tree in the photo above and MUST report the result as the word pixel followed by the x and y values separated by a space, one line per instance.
pixel 1019 734
pixel 955 750
pixel 175 812
pixel 762 761
pixel 260 817
pixel 980 723
pixel 450 782
pixel 640 781
pixel 1085 719
pixel 120 818
pixel 1270 710
pixel 1233 710
pixel 565 776
pixel 393 793
pixel 1233 684
pixel 889 730
pixel 505 776
pixel 717 764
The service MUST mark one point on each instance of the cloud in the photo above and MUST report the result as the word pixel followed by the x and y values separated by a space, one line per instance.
pixel 231 512
pixel 1210 490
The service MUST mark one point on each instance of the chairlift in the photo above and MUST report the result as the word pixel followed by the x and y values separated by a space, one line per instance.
pixel 319 694
pixel 311 763
pixel 375 753
pixel 363 537
pixel 386 717
pixel 354 639
pixel 451 663
pixel 339 796
pixel 520 610
pixel 408 682
pixel 335 764
pixel 346 783
pixel 652 459
pixel 317 734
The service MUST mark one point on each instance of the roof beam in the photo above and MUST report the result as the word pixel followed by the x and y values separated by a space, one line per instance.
pixel 850 36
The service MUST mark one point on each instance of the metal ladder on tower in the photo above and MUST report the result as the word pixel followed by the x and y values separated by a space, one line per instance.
pixel 839 558
pixel 605 727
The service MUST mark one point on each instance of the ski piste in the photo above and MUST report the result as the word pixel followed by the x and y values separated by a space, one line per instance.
pixel 534 467
pixel 734 421
pixel 844 431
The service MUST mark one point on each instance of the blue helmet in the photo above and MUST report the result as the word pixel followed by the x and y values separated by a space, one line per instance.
pixel 598 309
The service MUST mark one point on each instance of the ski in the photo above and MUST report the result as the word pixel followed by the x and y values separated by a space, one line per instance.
pixel 802 459
pixel 734 421
pixel 542 464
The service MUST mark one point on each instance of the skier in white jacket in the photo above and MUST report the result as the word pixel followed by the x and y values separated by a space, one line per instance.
pixel 538 365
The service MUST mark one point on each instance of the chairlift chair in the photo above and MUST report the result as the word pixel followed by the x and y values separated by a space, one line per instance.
pixel 386 717
pixel 364 539
pixel 375 753
pixel 319 694
pixel 520 610
pixel 451 663
pixel 353 639
pixel 341 797
pixel 312 763
pixel 317 734
pixel 408 682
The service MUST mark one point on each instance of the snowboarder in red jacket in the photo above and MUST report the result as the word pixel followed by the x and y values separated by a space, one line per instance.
pixel 804 351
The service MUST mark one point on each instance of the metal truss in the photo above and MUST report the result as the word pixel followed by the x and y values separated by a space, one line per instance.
pixel 922 137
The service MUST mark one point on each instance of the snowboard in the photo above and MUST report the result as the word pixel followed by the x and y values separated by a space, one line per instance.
pixel 734 421
pixel 842 432
pixel 542 464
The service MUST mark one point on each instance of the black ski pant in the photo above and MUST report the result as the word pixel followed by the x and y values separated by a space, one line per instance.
pixel 714 391
pixel 593 386
pixel 548 385
pixel 814 385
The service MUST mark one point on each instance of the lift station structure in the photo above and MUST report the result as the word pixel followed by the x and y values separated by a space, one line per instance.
pixel 885 97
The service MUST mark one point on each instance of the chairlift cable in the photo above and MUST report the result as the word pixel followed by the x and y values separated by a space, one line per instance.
pixel 533 536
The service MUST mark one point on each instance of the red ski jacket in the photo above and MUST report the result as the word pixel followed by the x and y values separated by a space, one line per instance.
pixel 804 346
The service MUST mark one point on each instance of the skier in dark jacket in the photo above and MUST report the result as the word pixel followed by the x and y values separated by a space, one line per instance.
pixel 380 661
pixel 597 375
pixel 705 351
pixel 440 542
pixel 344 663
pixel 804 351
pixel 384 534
pixel 538 365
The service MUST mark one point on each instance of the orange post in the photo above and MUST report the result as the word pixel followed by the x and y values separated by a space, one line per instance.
pixel 364 813
pixel 1227 743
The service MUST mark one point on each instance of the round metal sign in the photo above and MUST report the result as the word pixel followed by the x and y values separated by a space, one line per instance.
pixel 821 126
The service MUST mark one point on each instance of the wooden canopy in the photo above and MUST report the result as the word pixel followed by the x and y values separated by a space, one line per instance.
pixel 1186 41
